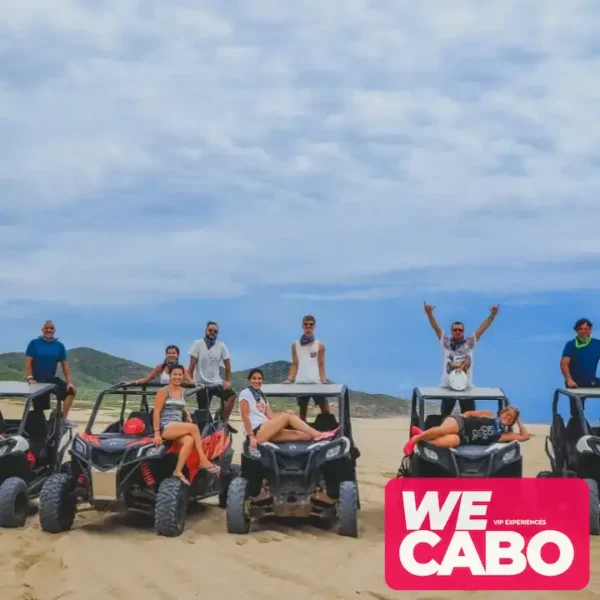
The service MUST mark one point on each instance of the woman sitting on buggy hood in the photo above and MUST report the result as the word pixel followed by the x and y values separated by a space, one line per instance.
pixel 173 422
pixel 263 425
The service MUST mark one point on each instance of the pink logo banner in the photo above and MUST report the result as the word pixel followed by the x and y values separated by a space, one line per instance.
pixel 487 534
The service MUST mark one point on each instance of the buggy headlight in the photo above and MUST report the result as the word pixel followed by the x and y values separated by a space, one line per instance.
pixel 150 451
pixel 337 449
pixel 510 455
pixel 79 448
pixel 333 452
pixel 430 454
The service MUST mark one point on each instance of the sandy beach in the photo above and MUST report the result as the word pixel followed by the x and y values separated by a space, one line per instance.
pixel 120 556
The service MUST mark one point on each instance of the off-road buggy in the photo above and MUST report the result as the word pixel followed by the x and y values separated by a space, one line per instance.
pixel 300 479
pixel 32 448
pixel 574 449
pixel 114 470
pixel 496 460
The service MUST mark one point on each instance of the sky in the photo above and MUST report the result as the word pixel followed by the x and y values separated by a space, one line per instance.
pixel 164 164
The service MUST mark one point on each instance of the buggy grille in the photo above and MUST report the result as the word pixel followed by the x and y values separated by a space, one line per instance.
pixel 292 463
pixel 473 468
pixel 105 460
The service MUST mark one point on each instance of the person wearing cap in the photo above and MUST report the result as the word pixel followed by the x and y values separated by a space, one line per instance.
pixel 457 353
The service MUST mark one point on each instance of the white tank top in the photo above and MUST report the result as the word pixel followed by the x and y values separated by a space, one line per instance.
pixel 308 362
pixel 165 377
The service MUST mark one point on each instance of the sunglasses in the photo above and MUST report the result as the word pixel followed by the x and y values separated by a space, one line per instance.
pixel 212 330
pixel 457 329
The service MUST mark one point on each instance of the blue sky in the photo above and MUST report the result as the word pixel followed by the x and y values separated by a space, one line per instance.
pixel 167 163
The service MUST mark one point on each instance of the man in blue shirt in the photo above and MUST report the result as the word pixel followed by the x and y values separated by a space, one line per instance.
pixel 41 359
pixel 580 357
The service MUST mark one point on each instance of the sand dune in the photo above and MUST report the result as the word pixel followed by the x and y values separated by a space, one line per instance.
pixel 114 556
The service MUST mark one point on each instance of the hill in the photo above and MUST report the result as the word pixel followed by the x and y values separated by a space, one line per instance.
pixel 93 370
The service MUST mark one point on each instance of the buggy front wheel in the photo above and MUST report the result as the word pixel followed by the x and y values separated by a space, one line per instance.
pixel 57 506
pixel 347 509
pixel 171 507
pixel 237 511
pixel 226 479
pixel 14 502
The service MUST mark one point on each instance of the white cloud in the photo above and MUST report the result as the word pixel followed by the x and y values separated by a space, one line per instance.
pixel 157 150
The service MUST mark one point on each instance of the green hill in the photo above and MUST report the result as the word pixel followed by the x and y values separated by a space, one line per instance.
pixel 93 370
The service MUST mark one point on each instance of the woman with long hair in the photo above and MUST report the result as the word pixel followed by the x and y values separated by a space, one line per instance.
pixel 173 422
pixel 162 369
pixel 478 427
pixel 263 425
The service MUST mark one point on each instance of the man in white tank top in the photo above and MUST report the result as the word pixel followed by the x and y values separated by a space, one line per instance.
pixel 308 365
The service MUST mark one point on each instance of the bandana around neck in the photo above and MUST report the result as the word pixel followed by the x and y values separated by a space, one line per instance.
pixel 256 393
pixel 456 344
pixel 581 343
pixel 209 343
pixel 307 339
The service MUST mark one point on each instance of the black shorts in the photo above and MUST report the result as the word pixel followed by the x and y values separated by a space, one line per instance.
pixel 460 421
pixel 304 400
pixel 205 396
pixel 41 403
pixel 255 430
pixel 466 439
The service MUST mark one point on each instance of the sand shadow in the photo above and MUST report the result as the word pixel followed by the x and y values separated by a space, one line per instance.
pixel 127 521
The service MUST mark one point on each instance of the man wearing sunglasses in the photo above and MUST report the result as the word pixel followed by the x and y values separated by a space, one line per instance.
pixel 308 365
pixel 457 351
pixel 206 356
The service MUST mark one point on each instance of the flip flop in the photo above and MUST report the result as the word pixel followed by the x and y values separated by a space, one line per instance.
pixel 325 435
pixel 415 430
pixel 409 447
pixel 262 496
pixel 183 479
pixel 213 469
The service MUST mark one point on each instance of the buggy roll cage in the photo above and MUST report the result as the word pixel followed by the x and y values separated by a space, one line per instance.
pixel 133 389
pixel 316 390
pixel 423 394
pixel 575 397
pixel 18 389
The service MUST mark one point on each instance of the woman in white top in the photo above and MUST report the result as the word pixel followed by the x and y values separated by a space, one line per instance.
pixel 263 425
pixel 162 370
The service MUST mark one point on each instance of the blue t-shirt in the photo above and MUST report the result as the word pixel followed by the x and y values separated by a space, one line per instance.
pixel 584 361
pixel 46 355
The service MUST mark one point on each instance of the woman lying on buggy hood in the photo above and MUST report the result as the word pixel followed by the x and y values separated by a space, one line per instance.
pixel 479 427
